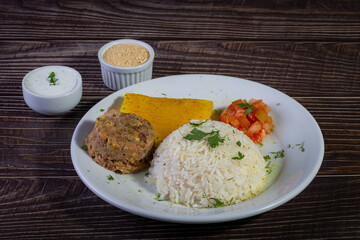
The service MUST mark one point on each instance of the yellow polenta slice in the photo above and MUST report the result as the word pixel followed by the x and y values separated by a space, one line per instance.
pixel 166 114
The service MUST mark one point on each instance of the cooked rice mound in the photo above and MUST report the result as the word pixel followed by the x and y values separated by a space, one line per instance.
pixel 192 173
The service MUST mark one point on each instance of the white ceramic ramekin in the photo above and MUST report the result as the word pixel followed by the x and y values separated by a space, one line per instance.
pixel 57 104
pixel 120 77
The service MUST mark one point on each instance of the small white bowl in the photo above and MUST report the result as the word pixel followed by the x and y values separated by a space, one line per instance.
pixel 120 77
pixel 53 104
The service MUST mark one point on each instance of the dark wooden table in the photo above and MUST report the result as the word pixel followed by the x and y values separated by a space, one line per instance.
pixel 309 50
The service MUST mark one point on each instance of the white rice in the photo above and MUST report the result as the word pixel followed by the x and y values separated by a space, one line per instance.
pixel 192 173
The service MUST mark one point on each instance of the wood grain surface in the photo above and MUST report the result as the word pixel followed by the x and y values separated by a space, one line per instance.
pixel 185 20
pixel 64 207
pixel 309 50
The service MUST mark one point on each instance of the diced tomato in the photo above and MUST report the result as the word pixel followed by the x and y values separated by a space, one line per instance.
pixel 256 124
pixel 236 103
pixel 240 112
pixel 244 122
pixel 224 117
pixel 257 137
pixel 234 122
pixel 255 127
pixel 269 120
pixel 252 118
pixel 261 114
pixel 268 127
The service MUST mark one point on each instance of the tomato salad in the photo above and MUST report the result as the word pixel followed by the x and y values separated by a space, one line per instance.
pixel 250 117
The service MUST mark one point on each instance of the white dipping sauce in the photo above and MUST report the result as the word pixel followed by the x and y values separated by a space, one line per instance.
pixel 38 82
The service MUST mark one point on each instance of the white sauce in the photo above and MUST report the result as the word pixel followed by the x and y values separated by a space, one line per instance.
pixel 38 82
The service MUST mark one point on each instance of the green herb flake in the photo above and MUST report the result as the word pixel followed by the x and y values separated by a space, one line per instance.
pixel 158 198
pixel 289 146
pixel 110 178
pixel 84 147
pixel 217 203
pixel 101 110
pixel 147 174
pixel 248 107
pixel 260 144
pixel 196 124
pixel 52 79
pixel 196 135
pixel 268 165
pixel 278 104
pixel 231 200
pixel 238 143
pixel 215 140
pixel 240 156
pixel 230 179
pixel 301 146
pixel 267 158
pixel 279 154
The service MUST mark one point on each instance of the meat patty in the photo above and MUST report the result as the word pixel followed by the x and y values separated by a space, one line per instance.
pixel 121 142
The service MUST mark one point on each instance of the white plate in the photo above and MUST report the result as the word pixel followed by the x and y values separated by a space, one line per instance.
pixel 293 125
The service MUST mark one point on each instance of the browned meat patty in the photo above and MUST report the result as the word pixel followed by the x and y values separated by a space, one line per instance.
pixel 121 142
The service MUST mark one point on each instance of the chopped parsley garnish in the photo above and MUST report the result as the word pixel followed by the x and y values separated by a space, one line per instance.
pixel 101 110
pixel 147 174
pixel 240 156
pixel 230 179
pixel 260 144
pixel 289 146
pixel 248 107
pixel 84 147
pixel 267 157
pixel 196 124
pixel 110 178
pixel 196 134
pixel 214 140
pixel 279 154
pixel 217 203
pixel 231 200
pixel 158 197
pixel 238 143
pixel 301 146
pixel 278 104
pixel 268 168
pixel 268 165
pixel 52 79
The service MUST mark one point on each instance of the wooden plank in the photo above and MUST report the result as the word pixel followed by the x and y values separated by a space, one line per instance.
pixel 33 144
pixel 299 69
pixel 297 20
pixel 48 208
